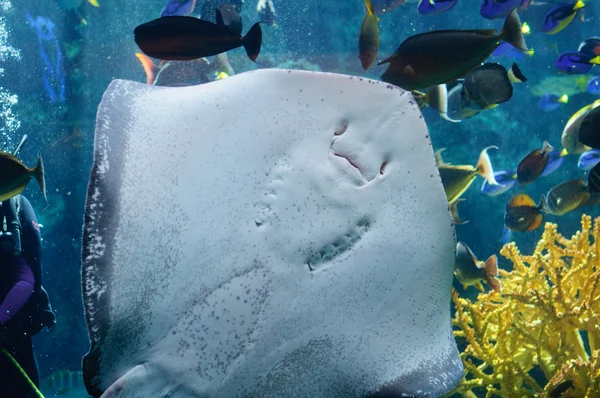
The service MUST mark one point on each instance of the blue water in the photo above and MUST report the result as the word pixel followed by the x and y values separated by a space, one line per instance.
pixel 53 81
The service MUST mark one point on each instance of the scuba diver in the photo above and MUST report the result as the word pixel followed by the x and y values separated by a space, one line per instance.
pixel 24 305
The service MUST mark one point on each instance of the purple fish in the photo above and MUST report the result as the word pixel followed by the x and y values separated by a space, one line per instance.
pixel 383 6
pixel 506 179
pixel 507 50
pixel 594 86
pixel 551 102
pixel 574 63
pixel 178 8
pixel 560 17
pixel 590 47
pixel 431 7
pixel 589 159
pixel 493 9
pixel 555 160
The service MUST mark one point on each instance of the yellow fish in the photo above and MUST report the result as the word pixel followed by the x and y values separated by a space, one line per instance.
pixel 15 176
pixel 457 179
pixel 368 41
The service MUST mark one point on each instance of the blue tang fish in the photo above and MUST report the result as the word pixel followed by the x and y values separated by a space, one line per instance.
pixel 493 9
pixel 178 8
pixel 506 179
pixel 593 86
pixel 560 17
pixel 551 102
pixel 589 159
pixel 555 160
pixel 574 63
pixel 431 7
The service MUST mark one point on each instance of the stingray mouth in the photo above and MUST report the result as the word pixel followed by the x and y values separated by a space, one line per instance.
pixel 347 167
pixel 320 259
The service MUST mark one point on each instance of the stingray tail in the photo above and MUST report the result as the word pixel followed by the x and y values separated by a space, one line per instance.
pixel 512 32
pixel 253 41
pixel 38 174
pixel 491 273
pixel 484 166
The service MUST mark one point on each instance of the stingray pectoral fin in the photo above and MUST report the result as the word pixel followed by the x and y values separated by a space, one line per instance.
pixel 138 379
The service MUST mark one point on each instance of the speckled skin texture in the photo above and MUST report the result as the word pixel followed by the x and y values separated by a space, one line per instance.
pixel 275 234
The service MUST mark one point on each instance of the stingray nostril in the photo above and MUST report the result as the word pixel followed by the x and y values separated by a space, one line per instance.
pixel 341 130
pixel 382 168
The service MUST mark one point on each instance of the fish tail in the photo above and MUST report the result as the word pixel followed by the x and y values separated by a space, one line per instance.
pixel 512 32
pixel 94 3
pixel 543 205
pixel 454 212
pixel 484 166
pixel 491 273
pixel 148 66
pixel 38 174
pixel 252 41
pixel 578 5
pixel 547 148
pixel 595 60
pixel 369 7
pixel 564 99
pixel 515 75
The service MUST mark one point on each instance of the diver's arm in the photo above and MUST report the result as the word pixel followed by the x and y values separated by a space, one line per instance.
pixel 20 292
pixel 31 239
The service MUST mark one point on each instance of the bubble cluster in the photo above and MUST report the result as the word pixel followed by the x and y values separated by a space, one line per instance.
pixel 8 119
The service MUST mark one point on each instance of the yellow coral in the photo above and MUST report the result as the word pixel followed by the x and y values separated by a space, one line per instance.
pixel 546 320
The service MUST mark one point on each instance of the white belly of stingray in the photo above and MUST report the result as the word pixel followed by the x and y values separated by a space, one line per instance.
pixel 275 234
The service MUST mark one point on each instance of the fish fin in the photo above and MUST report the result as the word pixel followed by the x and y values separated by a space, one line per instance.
pixel 454 212
pixel 543 205
pixel 487 32
pixel 484 166
pixel 369 7
pixel 578 5
pixel 408 70
pixel 564 152
pixel 465 287
pixel 94 3
pixel 253 41
pixel 515 75
pixel 491 106
pixel 479 287
pixel 595 60
pixel 446 117
pixel 148 66
pixel 38 174
pixel 421 98
pixel 511 31
pixel 525 28
pixel 491 273
pixel 521 200
pixel 438 158
pixel 564 99
pixel 547 148
pixel 387 60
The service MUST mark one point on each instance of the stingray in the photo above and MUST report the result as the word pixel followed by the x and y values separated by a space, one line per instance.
pixel 275 234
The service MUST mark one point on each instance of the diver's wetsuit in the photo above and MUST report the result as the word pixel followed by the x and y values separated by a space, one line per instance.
pixel 20 276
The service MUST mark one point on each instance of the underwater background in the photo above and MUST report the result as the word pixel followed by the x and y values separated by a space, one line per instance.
pixel 58 56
